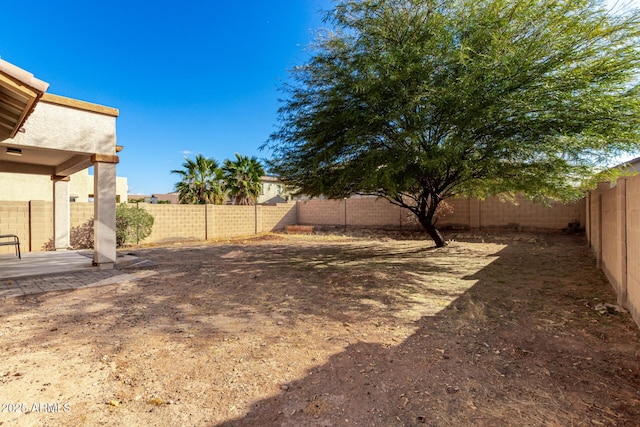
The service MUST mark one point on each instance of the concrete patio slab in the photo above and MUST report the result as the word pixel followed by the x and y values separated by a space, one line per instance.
pixel 42 263
pixel 39 272
pixel 46 263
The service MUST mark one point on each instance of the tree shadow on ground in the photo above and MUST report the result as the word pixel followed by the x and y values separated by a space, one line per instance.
pixel 521 347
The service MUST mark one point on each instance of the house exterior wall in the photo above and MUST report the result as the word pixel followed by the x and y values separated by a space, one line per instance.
pixel 25 187
pixel 89 132
pixel 271 189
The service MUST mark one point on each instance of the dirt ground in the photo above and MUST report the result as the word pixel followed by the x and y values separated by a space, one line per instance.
pixel 329 330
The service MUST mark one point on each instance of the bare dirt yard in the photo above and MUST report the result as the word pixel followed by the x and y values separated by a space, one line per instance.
pixel 328 330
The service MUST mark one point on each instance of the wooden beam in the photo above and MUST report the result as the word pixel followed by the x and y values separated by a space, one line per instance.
pixel 75 164
pixel 79 105
pixel 18 105
pixel 9 116
pixel 18 87
pixel 105 158
pixel 6 124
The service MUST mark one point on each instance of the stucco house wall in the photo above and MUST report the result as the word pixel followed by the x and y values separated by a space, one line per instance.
pixel 26 187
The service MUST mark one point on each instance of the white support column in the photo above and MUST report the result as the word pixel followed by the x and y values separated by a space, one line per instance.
pixel 104 207
pixel 61 213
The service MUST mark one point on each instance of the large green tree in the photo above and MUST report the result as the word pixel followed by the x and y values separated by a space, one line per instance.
pixel 420 100
pixel 242 179
pixel 200 181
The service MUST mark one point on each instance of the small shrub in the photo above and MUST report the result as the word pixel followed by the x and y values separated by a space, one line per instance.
pixel 80 237
pixel 132 224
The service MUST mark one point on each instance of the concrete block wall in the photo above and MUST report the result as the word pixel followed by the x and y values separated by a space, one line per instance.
pixel 80 213
pixel 609 240
pixel 14 219
pixel 614 237
pixel 176 222
pixel 632 220
pixel 276 217
pixel 40 225
pixel 32 221
pixel 231 221
pixel 467 214
pixel 526 215
pixel 322 212
pixel 201 222
pixel 465 211
pixel 373 212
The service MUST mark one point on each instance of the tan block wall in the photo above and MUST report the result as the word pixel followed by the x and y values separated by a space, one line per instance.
pixel 176 222
pixel 633 246
pixel 230 221
pixel 595 224
pixel 32 221
pixel 14 219
pixel 321 212
pixel 467 214
pixel 614 236
pixel 40 225
pixel 373 212
pixel 527 215
pixel 273 218
pixel 609 237
pixel 80 213
pixel 460 218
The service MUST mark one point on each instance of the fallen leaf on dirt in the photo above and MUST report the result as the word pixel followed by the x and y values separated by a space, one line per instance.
pixel 156 401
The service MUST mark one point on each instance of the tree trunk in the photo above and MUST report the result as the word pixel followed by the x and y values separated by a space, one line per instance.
pixel 435 235
pixel 426 215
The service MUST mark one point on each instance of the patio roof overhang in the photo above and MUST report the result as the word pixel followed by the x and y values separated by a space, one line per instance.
pixel 47 134
pixel 19 92
pixel 84 133
pixel 62 136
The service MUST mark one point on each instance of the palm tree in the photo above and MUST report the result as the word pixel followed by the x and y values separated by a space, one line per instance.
pixel 242 179
pixel 201 181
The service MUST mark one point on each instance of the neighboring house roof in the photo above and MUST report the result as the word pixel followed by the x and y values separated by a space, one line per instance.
pixel 168 197
pixel 269 178
pixel 630 167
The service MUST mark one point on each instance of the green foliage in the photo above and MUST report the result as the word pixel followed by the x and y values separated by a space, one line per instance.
pixel 133 224
pixel 420 100
pixel 201 181
pixel 242 179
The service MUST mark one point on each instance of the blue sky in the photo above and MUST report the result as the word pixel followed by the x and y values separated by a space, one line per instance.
pixel 190 77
